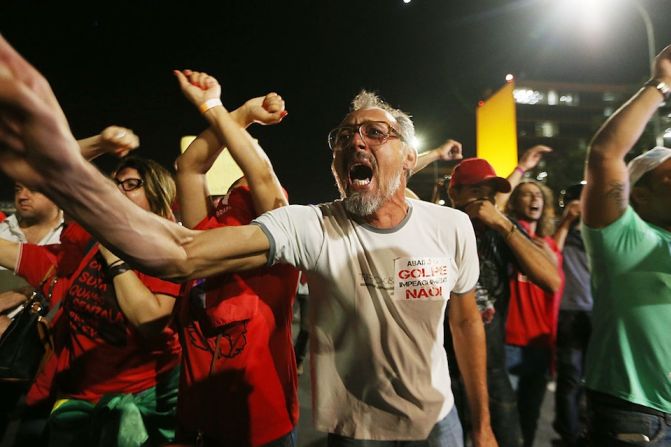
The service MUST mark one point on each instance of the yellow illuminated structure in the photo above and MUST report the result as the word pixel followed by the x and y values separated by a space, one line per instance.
pixel 223 173
pixel 496 130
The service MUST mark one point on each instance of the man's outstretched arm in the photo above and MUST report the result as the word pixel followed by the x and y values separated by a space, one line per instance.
pixel 38 149
pixel 469 346
pixel 606 193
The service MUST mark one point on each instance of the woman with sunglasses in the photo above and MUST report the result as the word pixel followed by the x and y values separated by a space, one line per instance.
pixel 114 370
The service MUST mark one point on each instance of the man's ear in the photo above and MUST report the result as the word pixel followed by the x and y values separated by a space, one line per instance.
pixel 410 159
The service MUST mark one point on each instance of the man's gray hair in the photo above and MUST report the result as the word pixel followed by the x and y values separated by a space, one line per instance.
pixel 367 100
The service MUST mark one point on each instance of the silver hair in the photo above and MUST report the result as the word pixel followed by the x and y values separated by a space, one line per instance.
pixel 367 100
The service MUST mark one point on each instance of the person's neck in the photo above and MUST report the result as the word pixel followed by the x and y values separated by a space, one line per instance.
pixel 36 229
pixel 391 213
pixel 531 225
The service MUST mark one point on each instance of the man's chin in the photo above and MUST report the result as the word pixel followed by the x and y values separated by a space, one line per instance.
pixel 361 205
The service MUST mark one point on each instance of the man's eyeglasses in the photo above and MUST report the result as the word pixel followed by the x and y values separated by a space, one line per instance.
pixel 372 132
pixel 130 184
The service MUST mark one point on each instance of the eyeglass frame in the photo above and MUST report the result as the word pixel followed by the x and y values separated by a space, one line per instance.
pixel 357 128
pixel 121 184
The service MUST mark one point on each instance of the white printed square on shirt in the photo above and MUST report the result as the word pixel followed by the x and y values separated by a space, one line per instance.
pixel 422 279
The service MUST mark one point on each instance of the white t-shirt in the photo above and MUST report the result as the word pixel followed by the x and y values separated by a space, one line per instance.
pixel 378 300
pixel 11 231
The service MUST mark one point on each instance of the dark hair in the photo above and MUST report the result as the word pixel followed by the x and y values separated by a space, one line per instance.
pixel 546 224
pixel 159 185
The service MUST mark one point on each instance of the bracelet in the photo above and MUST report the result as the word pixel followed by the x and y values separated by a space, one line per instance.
pixel 509 233
pixel 118 269
pixel 117 262
pixel 210 103
pixel 520 170
pixel 661 86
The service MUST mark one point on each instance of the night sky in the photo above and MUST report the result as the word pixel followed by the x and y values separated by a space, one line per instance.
pixel 111 63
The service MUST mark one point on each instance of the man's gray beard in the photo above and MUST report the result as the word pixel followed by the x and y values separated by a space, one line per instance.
pixel 365 205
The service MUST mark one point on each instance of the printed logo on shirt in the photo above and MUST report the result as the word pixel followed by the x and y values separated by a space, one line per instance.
pixel 376 281
pixel 421 279
pixel 92 309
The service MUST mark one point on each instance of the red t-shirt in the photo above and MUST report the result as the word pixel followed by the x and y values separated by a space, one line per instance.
pixel 533 312
pixel 251 397
pixel 97 351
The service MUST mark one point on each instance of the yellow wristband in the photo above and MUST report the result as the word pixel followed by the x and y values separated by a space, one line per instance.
pixel 207 105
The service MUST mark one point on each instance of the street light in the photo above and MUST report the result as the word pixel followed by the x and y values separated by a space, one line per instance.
pixel 590 7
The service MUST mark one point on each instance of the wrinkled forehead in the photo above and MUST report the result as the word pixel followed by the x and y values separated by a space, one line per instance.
pixel 372 114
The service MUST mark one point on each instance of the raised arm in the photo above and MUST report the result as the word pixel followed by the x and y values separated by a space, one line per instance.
pixel 606 193
pixel 265 188
pixel 38 149
pixel 570 216
pixel 112 140
pixel 533 260
pixel 449 150
pixel 528 161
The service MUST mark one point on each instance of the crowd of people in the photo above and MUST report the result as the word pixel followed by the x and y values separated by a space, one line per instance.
pixel 427 324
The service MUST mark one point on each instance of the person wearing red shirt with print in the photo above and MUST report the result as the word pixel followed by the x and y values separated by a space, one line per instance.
pixel 239 380
pixel 115 366
pixel 531 326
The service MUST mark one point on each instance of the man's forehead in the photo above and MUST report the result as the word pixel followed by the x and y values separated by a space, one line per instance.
pixel 371 114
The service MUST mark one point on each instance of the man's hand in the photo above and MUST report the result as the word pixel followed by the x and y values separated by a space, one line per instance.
pixel 449 150
pixel 11 299
pixel 572 211
pixel 263 110
pixel 118 140
pixel 532 156
pixel 662 70
pixel 198 87
pixel 487 213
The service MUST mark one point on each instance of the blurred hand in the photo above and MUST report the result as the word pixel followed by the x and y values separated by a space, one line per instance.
pixel 4 324
pixel 532 156
pixel 198 87
pixel 662 69
pixel 11 299
pixel 487 213
pixel 450 150
pixel 572 210
pixel 118 140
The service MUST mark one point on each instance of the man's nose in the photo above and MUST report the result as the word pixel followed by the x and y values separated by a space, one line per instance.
pixel 358 142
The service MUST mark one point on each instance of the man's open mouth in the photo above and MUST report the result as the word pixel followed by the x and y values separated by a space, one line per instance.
pixel 360 174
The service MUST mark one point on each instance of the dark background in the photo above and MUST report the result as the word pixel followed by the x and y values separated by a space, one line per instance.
pixel 111 63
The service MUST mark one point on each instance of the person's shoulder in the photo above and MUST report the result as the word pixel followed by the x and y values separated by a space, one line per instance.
pixel 439 211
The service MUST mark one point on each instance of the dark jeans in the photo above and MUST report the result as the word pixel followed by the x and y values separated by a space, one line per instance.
pixel 573 332
pixel 529 369
pixel 301 344
pixel 446 433
pixel 618 423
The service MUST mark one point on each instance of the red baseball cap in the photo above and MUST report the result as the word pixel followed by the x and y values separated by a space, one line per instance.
pixel 472 171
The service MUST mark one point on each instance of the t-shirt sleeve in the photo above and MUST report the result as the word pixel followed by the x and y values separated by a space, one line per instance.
pixel 467 257
pixel 618 246
pixel 35 261
pixel 295 234
pixel 160 286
